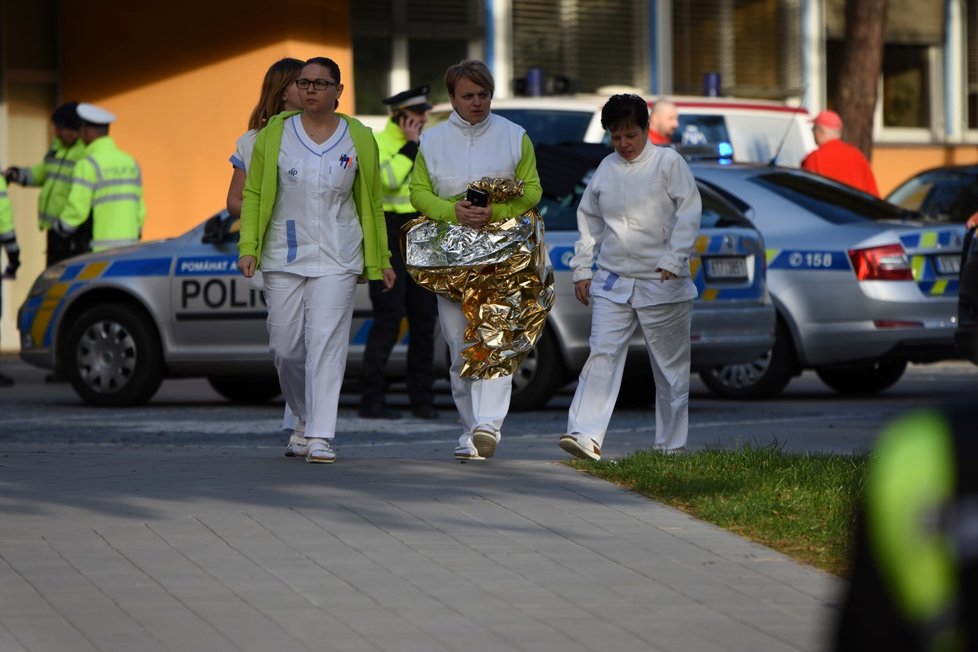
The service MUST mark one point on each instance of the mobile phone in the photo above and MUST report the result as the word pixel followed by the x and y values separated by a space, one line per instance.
pixel 477 197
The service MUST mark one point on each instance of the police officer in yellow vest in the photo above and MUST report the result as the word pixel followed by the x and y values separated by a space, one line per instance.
pixel 53 175
pixel 107 187
pixel 913 584
pixel 398 145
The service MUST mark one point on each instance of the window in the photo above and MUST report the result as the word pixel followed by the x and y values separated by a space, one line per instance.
pixel 755 46
pixel 418 37
pixel 947 195
pixel 914 34
pixel 371 70
pixel 831 201
pixel 428 60
pixel 589 44
pixel 906 86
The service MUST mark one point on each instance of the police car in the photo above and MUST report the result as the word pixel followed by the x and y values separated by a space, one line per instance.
pixel 861 286
pixel 118 322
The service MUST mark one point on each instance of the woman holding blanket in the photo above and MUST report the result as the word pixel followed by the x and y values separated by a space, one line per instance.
pixel 312 220
pixel 471 145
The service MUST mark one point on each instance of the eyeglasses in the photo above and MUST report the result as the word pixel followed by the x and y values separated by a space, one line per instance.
pixel 319 84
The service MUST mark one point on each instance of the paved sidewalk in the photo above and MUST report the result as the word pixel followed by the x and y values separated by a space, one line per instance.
pixel 147 549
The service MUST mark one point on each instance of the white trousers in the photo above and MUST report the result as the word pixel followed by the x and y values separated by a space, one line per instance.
pixel 479 402
pixel 666 330
pixel 309 334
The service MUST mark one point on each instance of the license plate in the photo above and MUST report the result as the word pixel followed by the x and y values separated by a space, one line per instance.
pixel 948 264
pixel 726 268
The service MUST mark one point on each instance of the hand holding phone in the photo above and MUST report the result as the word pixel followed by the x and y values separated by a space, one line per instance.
pixel 477 197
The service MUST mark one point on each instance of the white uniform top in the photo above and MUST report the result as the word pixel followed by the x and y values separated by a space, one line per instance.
pixel 636 216
pixel 243 148
pixel 314 228
pixel 456 152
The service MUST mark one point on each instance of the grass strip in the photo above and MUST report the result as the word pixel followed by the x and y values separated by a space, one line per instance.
pixel 801 504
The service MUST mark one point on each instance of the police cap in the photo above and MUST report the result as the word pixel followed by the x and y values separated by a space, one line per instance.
pixel 95 115
pixel 415 100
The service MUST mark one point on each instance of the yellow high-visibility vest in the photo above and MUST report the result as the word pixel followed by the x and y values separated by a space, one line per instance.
pixel 108 188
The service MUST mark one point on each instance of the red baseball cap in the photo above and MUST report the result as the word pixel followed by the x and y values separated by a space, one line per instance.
pixel 828 119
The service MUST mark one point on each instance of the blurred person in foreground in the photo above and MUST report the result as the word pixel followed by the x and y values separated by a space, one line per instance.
pixel 913 578
pixel 837 159
pixel 398 147
pixel 638 221
pixel 473 144
pixel 312 221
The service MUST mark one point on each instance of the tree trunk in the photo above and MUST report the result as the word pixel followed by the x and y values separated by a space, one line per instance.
pixel 861 68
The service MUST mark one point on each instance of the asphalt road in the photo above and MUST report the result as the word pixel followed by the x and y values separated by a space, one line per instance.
pixel 188 413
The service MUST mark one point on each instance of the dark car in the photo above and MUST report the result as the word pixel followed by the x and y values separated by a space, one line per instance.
pixel 966 334
pixel 946 194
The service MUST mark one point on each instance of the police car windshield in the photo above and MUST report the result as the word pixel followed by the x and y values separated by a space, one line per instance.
pixel 549 126
pixel 831 201
pixel 946 197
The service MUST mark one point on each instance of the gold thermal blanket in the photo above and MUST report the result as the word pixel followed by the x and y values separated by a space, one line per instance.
pixel 500 274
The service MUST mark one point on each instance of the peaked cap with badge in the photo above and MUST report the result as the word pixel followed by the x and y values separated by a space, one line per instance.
pixel 415 100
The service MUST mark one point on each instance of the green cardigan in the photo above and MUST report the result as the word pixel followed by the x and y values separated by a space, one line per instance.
pixel 262 185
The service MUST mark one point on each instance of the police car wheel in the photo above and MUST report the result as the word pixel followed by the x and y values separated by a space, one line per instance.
pixel 246 390
pixel 762 378
pixel 539 376
pixel 862 379
pixel 112 356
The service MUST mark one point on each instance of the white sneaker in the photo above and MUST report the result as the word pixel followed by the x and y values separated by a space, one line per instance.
pixel 319 451
pixel 485 439
pixel 580 446
pixel 466 450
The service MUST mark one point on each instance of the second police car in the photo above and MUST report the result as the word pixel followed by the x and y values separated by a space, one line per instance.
pixel 861 287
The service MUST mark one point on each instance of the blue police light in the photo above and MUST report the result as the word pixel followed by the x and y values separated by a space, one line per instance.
pixel 725 150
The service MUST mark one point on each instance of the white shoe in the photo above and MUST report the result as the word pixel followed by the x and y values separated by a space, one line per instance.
pixel 580 446
pixel 297 446
pixel 297 442
pixel 485 439
pixel 319 451
pixel 466 450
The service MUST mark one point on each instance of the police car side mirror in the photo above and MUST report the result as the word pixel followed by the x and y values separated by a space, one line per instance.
pixel 212 230
pixel 220 229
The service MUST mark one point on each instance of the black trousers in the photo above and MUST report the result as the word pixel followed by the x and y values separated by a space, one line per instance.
pixel 79 242
pixel 419 305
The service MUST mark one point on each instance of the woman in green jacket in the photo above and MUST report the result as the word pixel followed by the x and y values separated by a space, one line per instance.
pixel 312 220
